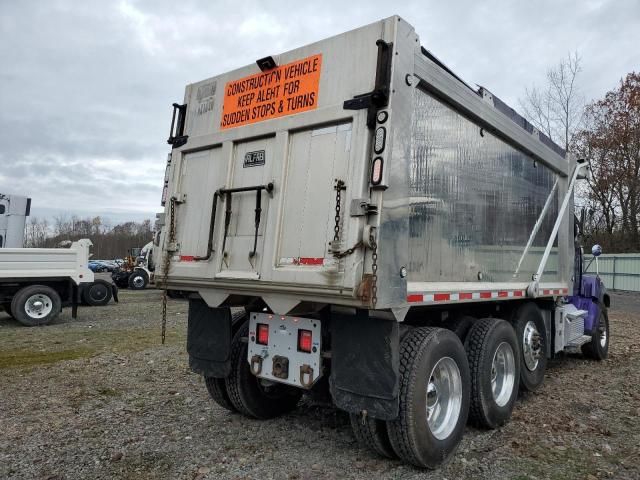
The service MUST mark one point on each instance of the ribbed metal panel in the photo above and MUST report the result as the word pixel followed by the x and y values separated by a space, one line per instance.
pixel 474 201
pixel 620 271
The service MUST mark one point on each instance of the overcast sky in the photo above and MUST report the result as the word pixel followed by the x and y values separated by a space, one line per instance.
pixel 86 86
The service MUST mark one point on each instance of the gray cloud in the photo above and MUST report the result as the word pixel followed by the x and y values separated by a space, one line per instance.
pixel 85 87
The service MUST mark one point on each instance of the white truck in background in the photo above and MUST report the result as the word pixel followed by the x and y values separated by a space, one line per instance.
pixel 35 283
pixel 14 210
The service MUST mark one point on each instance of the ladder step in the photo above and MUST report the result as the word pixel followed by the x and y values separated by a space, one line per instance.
pixel 578 342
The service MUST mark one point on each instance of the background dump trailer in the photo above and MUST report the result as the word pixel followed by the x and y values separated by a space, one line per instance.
pixel 394 238
pixel 14 211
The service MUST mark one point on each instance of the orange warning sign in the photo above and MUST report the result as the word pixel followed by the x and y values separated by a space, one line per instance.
pixel 284 90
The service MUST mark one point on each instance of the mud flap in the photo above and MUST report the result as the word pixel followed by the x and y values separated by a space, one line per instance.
pixel 209 339
pixel 76 298
pixel 114 292
pixel 365 364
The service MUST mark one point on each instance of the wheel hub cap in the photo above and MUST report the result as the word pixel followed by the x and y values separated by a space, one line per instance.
pixel 503 374
pixel 444 398
pixel 531 346
pixel 603 335
pixel 99 292
pixel 138 281
pixel 38 305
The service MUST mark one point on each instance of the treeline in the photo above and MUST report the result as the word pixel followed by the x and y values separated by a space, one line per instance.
pixel 604 132
pixel 109 241
pixel 610 141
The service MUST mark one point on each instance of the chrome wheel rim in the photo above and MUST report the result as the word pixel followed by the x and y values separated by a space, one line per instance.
pixel 138 281
pixel 444 398
pixel 531 345
pixel 38 305
pixel 503 374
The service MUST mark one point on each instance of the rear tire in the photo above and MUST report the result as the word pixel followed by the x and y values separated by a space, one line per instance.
pixel 218 392
pixel 532 345
pixel 138 280
pixel 36 305
pixel 492 350
pixel 434 397
pixel 372 434
pixel 98 293
pixel 247 394
pixel 598 347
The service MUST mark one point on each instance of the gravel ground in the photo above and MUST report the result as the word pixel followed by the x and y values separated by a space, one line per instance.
pixel 99 397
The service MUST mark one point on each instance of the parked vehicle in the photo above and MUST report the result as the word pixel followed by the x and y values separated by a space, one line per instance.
pixel 103 265
pixel 97 266
pixel 391 237
pixel 35 283
pixel 14 210
pixel 137 270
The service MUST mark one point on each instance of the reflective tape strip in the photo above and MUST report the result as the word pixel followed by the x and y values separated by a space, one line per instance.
pixel 555 291
pixel 435 297
pixel 428 297
pixel 187 258
pixel 308 261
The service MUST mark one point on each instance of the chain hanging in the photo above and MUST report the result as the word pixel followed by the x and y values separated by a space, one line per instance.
pixel 339 186
pixel 374 271
pixel 165 267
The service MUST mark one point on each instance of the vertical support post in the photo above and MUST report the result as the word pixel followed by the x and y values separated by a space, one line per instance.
pixel 613 282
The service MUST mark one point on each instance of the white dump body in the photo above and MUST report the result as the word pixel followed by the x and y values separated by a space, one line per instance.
pixel 47 263
pixel 453 215
pixel 14 210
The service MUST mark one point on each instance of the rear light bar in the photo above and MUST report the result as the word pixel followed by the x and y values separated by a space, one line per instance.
pixel 305 340
pixel 262 334
pixel 380 140
pixel 376 171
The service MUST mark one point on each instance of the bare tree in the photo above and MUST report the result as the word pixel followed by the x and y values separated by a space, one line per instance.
pixel 36 232
pixel 556 109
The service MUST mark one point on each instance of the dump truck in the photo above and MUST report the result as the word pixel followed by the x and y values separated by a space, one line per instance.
pixel 36 283
pixel 354 221
pixel 14 210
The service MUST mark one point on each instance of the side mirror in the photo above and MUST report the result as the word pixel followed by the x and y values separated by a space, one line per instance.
pixel 596 250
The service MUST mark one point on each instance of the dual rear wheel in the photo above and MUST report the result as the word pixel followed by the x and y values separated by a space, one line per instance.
pixel 245 393
pixel 444 383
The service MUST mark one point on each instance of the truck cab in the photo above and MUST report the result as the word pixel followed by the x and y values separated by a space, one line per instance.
pixel 14 210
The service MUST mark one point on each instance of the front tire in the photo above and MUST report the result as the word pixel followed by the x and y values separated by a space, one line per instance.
pixel 598 347
pixel 138 280
pixel 492 350
pixel 434 397
pixel 36 305
pixel 532 345
pixel 246 392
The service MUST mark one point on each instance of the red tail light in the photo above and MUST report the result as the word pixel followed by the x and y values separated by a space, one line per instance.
pixel 262 334
pixel 304 341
